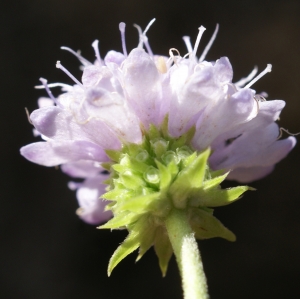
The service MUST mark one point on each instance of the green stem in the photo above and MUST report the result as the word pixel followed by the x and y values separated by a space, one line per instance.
pixel 187 255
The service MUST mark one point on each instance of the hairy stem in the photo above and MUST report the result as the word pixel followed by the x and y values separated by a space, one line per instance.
pixel 187 255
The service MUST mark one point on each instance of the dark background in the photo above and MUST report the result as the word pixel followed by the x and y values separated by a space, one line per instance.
pixel 45 250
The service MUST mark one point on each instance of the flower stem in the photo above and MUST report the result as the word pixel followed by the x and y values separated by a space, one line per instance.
pixel 187 255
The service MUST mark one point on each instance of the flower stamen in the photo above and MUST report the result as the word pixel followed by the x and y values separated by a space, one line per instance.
pixel 84 61
pixel 266 70
pixel 201 30
pixel 188 44
pixel 51 96
pixel 65 87
pixel 210 43
pixel 245 80
pixel 95 45
pixel 139 29
pixel 122 26
pixel 60 66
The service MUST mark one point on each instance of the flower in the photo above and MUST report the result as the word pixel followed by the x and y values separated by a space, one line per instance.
pixel 151 120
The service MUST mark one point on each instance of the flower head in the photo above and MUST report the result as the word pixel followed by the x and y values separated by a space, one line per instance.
pixel 163 127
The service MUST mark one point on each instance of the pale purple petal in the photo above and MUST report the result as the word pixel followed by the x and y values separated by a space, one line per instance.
pixel 89 198
pixel 82 168
pixel 59 124
pixel 203 89
pixel 114 57
pixel 250 174
pixel 142 86
pixel 52 153
pixel 222 116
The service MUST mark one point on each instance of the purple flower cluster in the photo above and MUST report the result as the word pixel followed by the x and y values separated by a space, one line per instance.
pixel 121 95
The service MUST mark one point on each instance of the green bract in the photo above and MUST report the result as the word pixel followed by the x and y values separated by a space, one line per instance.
pixel 150 179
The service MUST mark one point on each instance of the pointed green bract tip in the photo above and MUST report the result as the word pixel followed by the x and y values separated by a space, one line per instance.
pixel 150 179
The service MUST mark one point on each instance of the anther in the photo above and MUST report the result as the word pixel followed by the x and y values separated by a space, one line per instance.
pixel 84 61
pixel 201 30
pixel 60 66
pixel 210 43
pixel 122 26
pixel 266 70
pixel 95 45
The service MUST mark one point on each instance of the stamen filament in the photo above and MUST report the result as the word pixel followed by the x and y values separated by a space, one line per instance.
pixel 122 26
pixel 147 45
pixel 65 86
pixel 139 29
pixel 51 96
pixel 210 43
pixel 188 44
pixel 84 61
pixel 201 30
pixel 95 45
pixel 245 80
pixel 60 66
pixel 266 70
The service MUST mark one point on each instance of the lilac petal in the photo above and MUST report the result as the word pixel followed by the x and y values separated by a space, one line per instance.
pixel 82 168
pixel 224 115
pixel 111 108
pixel 252 149
pixel 60 124
pixel 204 88
pixel 223 70
pixel 114 57
pixel 193 97
pixel 91 75
pixel 250 174
pixel 45 102
pixel 52 153
pixel 142 86
pixel 91 205
pixel 248 140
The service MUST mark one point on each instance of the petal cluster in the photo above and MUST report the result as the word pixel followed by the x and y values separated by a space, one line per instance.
pixel 121 96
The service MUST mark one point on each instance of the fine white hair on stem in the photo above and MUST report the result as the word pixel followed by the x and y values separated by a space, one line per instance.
pixel 60 66
pixel 210 43
pixel 95 45
pixel 245 80
pixel 268 69
pixel 122 26
pixel 188 44
pixel 201 30
pixel 84 61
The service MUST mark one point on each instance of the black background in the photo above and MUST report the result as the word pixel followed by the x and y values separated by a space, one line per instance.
pixel 45 250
